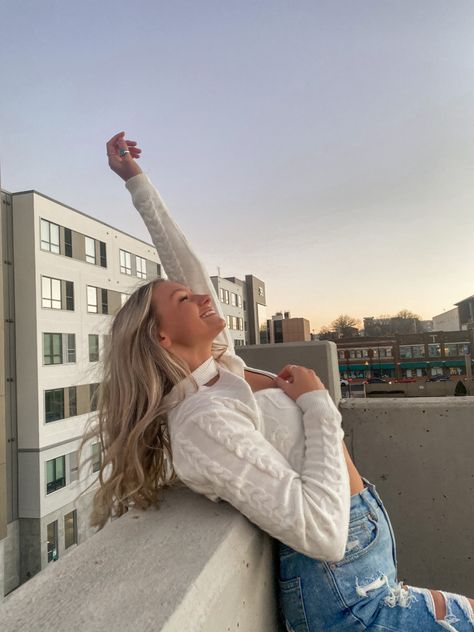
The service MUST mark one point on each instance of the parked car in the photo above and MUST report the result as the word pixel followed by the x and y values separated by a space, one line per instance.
pixel 439 378
pixel 377 380
pixel 404 380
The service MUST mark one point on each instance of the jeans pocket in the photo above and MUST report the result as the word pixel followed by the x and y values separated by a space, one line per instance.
pixel 292 605
pixel 362 537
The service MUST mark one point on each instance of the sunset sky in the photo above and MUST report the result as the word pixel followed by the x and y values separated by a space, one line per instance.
pixel 326 147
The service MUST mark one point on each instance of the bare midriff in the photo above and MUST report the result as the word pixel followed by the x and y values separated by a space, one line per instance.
pixel 258 382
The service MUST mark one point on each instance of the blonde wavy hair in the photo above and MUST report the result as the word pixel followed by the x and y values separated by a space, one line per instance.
pixel 131 420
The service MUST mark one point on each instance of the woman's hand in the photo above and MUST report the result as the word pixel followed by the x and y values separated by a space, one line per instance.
pixel 295 380
pixel 122 155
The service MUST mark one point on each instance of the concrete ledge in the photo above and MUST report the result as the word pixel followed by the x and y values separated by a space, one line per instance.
pixel 419 454
pixel 191 565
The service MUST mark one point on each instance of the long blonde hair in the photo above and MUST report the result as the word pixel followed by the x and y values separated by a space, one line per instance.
pixel 130 423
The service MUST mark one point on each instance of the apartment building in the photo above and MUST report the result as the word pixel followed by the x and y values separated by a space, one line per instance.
pixel 64 275
pixel 231 296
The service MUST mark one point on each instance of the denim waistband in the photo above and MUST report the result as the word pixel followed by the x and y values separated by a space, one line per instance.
pixel 366 501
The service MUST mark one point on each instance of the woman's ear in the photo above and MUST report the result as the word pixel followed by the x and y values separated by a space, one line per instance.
pixel 164 340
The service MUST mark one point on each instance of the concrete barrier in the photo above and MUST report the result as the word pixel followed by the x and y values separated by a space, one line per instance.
pixel 191 565
pixel 321 356
pixel 419 454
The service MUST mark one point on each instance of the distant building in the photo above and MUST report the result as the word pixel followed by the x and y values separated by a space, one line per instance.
pixel 406 355
pixel 283 328
pixel 466 312
pixel 256 310
pixel 447 321
pixel 392 325
pixel 231 297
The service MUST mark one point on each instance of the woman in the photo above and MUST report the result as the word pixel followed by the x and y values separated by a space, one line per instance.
pixel 177 405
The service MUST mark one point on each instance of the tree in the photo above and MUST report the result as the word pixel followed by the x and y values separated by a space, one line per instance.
pixel 345 325
pixel 406 314
pixel 460 389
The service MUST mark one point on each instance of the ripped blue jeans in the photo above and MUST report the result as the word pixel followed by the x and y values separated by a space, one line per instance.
pixel 361 592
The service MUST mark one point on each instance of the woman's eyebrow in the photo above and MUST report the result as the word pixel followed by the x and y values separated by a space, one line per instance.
pixel 180 289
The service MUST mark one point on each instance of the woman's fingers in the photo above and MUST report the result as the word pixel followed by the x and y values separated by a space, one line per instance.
pixel 122 155
pixel 111 144
pixel 287 371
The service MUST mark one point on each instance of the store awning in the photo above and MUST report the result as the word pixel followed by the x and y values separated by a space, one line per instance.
pixel 413 365
pixel 364 367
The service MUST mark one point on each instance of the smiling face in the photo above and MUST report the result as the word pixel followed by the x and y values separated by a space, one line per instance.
pixel 187 321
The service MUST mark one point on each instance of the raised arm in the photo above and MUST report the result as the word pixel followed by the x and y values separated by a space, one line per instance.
pixel 180 262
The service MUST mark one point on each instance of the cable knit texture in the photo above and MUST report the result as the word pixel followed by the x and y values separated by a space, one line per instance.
pixel 279 462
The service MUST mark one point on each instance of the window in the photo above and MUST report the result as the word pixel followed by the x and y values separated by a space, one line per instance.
pixel 224 295
pixel 104 301
pixel 54 404
pixel 103 254
pixel 229 321
pixel 71 347
pixel 51 293
pixel 418 351
pixel 405 351
pixel 73 466
pixel 240 323
pixel 70 529
pixel 72 393
pixel 52 349
pixel 90 249
pixel 93 396
pixel 239 300
pixel 70 296
pixel 68 242
pixel 123 298
pixel 233 299
pixel 55 474
pixel 52 541
pixel 260 290
pixel 49 236
pixel 59 348
pixel 125 262
pixel 456 349
pixel 434 350
pixel 92 299
pixel 93 347
pixel 158 270
pixel 141 267
pixel 96 457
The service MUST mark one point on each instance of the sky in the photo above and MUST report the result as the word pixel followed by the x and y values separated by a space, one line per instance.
pixel 327 147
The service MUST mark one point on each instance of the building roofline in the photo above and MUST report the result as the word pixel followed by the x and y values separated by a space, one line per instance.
pixel 71 208
pixel 469 298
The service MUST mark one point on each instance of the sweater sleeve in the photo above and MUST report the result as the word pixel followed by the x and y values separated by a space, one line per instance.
pixel 220 453
pixel 179 261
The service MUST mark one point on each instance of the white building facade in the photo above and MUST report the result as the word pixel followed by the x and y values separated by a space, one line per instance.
pixel 71 274
pixel 231 297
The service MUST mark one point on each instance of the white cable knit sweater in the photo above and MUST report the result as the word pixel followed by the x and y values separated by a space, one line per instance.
pixel 280 463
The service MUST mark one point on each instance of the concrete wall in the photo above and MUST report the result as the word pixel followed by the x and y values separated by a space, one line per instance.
pixel 419 454
pixel 319 356
pixel 11 557
pixel 419 389
pixel 192 565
